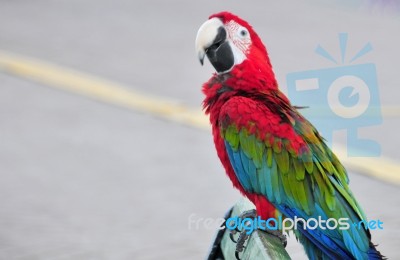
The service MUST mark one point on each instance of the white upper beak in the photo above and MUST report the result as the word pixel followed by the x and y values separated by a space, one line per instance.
pixel 206 35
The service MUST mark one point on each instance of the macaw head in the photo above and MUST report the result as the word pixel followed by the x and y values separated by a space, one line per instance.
pixel 228 41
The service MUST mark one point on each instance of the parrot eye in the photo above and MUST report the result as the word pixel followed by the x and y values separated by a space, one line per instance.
pixel 243 32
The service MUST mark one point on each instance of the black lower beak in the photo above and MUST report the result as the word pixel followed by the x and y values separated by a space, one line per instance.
pixel 220 52
pixel 221 56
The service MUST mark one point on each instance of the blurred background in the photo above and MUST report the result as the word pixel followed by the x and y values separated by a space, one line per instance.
pixel 83 177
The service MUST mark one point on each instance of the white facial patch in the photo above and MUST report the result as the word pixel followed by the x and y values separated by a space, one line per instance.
pixel 240 40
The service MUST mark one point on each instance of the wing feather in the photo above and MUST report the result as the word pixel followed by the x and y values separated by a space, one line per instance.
pixel 268 162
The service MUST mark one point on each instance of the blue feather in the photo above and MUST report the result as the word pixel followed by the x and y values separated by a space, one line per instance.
pixel 326 244
pixel 266 172
pixel 250 170
pixel 241 174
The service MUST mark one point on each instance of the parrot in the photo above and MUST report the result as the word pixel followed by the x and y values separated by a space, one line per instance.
pixel 271 153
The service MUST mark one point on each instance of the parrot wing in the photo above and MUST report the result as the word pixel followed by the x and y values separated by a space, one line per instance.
pixel 277 153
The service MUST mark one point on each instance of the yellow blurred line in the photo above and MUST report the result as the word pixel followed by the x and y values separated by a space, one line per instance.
pixel 100 89
pixel 390 111
pixel 114 93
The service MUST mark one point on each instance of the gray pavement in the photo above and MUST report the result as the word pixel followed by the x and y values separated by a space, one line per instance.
pixel 87 180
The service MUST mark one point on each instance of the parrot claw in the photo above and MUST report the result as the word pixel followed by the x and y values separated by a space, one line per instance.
pixel 243 236
pixel 231 236
pixel 246 214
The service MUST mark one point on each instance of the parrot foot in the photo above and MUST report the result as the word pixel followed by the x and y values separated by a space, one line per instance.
pixel 244 235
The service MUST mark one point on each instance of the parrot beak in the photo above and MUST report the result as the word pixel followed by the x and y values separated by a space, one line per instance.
pixel 211 40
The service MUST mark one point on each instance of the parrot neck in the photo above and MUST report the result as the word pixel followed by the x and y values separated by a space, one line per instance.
pixel 252 76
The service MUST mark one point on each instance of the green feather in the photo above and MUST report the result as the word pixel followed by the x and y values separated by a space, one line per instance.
pixel 299 169
pixel 277 145
pixel 346 193
pixel 267 140
pixel 309 166
pixel 275 180
pixel 252 147
pixel 286 186
pixel 231 135
pixel 298 190
pixel 327 182
pixel 289 147
pixel 341 171
pixel 282 159
pixel 293 188
pixel 326 188
pixel 307 160
pixel 259 151
pixel 269 157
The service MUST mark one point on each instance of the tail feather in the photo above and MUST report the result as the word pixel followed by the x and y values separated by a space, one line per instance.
pixel 373 253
